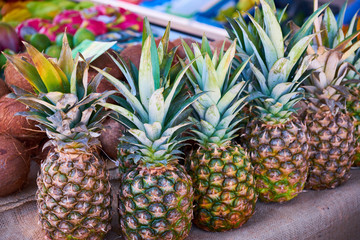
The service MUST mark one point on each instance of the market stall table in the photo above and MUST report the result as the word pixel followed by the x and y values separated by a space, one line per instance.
pixel 330 214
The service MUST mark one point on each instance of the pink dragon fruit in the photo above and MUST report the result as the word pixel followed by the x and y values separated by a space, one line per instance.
pixel 95 26
pixel 31 26
pixel 68 16
pixel 70 20
pixel 127 20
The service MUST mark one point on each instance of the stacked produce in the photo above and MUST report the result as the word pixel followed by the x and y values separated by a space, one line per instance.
pixel 172 94
pixel 43 23
pixel 14 12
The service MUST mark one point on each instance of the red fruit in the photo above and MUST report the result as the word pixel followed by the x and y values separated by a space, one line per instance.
pixel 95 26
pixel 31 26
pixel 9 38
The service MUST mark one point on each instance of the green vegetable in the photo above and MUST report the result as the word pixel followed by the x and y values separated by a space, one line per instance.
pixel 83 34
pixel 53 51
pixel 40 41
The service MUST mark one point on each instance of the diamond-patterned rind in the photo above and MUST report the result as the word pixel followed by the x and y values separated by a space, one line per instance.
pixel 331 149
pixel 224 187
pixel 353 107
pixel 156 203
pixel 73 196
pixel 279 154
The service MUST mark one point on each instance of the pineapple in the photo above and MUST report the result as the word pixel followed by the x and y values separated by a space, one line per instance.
pixel 353 107
pixel 333 35
pixel 73 194
pixel 156 194
pixel 276 137
pixel 223 179
pixel 264 55
pixel 331 128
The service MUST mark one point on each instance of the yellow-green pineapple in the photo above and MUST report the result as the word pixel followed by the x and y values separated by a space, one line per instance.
pixel 333 34
pixel 276 138
pixel 156 194
pixel 73 194
pixel 222 174
pixel 330 126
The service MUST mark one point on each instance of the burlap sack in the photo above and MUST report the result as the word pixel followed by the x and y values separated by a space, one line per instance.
pixel 324 215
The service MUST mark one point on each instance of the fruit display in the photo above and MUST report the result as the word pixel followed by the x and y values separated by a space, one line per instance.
pixel 43 23
pixel 200 130
pixel 14 12
pixel 331 129
pixel 96 20
pixel 156 194
pixel 73 195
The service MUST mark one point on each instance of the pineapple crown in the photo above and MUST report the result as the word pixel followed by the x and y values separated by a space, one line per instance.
pixel 156 104
pixel 262 38
pixel 64 101
pixel 334 36
pixel 215 112
pixel 278 69
pixel 334 54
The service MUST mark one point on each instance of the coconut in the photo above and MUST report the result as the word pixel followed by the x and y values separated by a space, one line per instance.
pixel 14 78
pixel 14 165
pixel 109 138
pixel 17 126
pixel 3 88
pixel 132 53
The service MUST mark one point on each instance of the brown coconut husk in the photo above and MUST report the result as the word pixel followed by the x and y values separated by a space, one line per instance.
pixel 17 126
pixel 3 88
pixel 132 53
pixel 109 138
pixel 14 78
pixel 15 166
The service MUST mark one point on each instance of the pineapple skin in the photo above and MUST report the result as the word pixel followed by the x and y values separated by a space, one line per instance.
pixel 331 149
pixel 73 197
pixel 125 160
pixel 279 154
pixel 156 203
pixel 224 186
pixel 353 107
